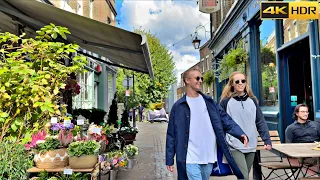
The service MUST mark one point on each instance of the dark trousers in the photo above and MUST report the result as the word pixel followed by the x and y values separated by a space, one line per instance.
pixel 140 115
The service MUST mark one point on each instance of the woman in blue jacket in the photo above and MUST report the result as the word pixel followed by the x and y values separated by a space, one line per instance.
pixel 240 103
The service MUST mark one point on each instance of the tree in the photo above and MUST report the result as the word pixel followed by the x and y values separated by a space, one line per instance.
pixel 147 90
pixel 113 112
pixel 125 119
pixel 32 76
pixel 267 56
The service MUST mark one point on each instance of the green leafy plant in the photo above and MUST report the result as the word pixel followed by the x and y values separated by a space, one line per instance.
pixel 49 144
pixel 14 160
pixel 234 60
pixel 32 76
pixel 208 78
pixel 80 148
pixel 125 119
pixel 131 150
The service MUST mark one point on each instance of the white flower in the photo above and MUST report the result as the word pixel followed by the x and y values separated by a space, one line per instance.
pixel 40 141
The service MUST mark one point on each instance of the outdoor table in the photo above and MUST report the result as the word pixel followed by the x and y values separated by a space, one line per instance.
pixel 298 151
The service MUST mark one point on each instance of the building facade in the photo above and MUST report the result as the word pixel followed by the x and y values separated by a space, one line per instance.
pixel 206 67
pixel 99 82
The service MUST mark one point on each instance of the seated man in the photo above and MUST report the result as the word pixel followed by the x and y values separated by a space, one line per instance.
pixel 302 130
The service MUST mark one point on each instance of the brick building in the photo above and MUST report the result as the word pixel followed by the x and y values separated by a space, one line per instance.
pixel 218 17
pixel 103 11
pixel 206 66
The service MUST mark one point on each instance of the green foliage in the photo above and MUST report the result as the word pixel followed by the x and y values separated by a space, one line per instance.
pixel 113 112
pixel 14 161
pixel 267 56
pixel 32 75
pixel 44 175
pixel 234 60
pixel 208 78
pixel 125 119
pixel 49 144
pixel 80 148
pixel 147 90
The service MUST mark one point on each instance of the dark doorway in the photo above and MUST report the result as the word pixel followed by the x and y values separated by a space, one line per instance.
pixel 300 74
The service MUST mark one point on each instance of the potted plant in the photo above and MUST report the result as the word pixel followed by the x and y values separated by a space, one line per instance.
pixel 48 154
pixel 131 151
pixel 112 162
pixel 83 154
pixel 129 133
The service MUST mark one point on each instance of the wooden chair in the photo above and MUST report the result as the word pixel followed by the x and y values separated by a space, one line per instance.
pixel 275 165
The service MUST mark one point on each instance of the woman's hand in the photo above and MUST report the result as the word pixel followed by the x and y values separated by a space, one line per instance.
pixel 267 147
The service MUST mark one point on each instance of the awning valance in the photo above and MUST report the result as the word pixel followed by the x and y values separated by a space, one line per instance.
pixel 118 45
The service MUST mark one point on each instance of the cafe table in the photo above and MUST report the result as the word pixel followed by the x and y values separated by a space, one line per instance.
pixel 299 151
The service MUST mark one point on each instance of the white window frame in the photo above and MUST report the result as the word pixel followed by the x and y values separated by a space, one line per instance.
pixel 91 9
pixel 207 59
pixel 85 99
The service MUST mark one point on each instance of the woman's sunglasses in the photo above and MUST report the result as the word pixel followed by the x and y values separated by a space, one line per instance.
pixel 242 81
pixel 198 78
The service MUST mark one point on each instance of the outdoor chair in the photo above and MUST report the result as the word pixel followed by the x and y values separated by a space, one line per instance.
pixel 276 164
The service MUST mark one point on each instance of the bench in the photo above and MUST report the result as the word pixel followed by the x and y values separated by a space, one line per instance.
pixel 274 165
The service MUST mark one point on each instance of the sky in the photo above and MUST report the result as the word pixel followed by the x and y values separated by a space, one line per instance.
pixel 173 22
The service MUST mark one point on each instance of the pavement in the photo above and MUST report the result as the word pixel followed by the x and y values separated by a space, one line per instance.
pixel 150 163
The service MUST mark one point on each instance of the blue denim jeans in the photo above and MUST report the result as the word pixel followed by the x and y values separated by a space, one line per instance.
pixel 199 171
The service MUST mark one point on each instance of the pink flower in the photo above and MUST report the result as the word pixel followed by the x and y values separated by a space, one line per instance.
pixel 115 161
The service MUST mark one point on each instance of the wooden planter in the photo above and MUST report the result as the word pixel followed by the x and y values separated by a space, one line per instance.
pixel 83 162
pixel 52 159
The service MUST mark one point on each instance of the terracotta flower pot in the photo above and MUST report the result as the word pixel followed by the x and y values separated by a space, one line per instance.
pixel 83 162
pixel 52 159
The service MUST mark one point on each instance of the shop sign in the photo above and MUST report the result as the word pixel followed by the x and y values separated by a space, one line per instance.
pixel 209 6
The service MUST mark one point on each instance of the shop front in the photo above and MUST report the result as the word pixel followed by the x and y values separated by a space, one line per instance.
pixel 296 63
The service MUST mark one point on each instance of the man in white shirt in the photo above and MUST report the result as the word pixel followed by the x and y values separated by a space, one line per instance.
pixel 196 124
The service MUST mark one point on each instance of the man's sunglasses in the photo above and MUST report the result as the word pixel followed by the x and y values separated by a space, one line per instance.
pixel 198 78
pixel 242 81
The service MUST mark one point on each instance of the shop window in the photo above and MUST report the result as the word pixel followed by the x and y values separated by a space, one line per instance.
pixel 109 20
pixel 85 99
pixel 269 66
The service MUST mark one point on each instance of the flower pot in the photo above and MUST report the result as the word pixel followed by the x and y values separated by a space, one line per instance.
pixel 83 162
pixel 52 159
pixel 131 163
pixel 113 174
pixel 130 137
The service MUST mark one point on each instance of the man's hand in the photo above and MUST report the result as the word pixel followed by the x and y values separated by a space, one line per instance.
pixel 267 147
pixel 244 140
pixel 170 168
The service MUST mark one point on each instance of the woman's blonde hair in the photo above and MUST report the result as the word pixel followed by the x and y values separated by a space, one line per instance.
pixel 228 90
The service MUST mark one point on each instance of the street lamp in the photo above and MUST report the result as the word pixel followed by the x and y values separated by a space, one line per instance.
pixel 196 42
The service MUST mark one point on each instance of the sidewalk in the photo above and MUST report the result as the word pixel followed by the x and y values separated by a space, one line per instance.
pixel 150 163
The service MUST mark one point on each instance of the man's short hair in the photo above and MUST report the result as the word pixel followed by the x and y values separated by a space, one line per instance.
pixel 296 110
pixel 186 74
